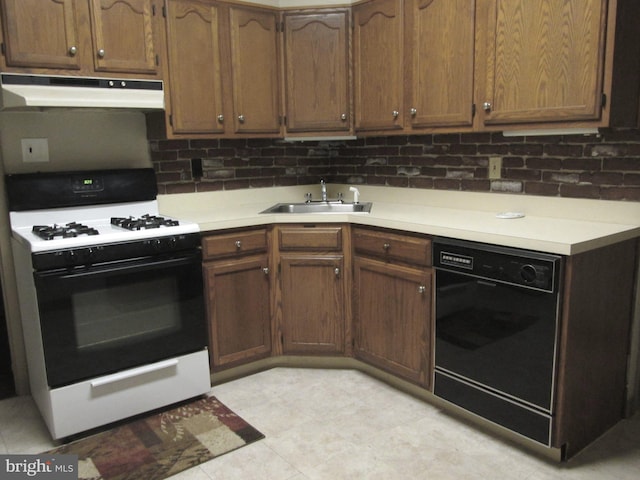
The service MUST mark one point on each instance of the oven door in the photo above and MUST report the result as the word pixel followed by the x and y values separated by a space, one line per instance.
pixel 103 319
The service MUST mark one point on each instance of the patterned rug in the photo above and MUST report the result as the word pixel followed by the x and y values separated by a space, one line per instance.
pixel 162 444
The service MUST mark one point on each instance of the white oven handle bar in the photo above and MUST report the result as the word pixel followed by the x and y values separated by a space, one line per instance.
pixel 134 372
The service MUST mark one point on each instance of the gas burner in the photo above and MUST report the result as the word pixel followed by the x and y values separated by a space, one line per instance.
pixel 73 229
pixel 143 222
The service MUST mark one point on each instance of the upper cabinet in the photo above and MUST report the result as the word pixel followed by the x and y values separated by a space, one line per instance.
pixel 195 78
pixel 96 37
pixel 440 63
pixel 316 69
pixel 541 60
pixel 123 39
pixel 223 69
pixel 254 70
pixel 378 39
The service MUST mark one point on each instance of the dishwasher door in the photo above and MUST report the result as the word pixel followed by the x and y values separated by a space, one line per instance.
pixel 496 335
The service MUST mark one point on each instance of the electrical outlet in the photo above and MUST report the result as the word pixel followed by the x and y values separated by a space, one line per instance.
pixel 495 167
pixel 35 150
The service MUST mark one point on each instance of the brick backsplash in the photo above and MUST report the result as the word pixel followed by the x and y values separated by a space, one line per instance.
pixel 605 166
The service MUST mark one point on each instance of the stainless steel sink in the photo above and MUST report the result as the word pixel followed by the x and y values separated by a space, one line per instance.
pixel 320 207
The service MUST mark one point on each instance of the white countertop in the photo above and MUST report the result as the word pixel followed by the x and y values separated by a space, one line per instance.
pixel 553 225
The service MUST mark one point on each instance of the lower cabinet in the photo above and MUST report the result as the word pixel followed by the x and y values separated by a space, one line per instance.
pixel 238 294
pixel 312 288
pixel 392 313
pixel 393 303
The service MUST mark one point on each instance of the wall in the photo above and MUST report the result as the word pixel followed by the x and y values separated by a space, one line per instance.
pixel 604 166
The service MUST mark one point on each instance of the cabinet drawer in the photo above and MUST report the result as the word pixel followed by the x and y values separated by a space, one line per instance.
pixel 314 238
pixel 250 241
pixel 392 246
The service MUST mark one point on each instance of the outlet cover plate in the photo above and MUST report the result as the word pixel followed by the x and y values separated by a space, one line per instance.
pixel 35 150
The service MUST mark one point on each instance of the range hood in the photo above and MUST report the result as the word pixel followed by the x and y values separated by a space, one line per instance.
pixel 28 92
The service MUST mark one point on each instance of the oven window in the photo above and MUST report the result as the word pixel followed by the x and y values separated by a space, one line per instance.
pixel 126 314
pixel 109 318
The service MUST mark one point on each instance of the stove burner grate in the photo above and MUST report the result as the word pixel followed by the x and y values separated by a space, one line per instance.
pixel 73 229
pixel 144 222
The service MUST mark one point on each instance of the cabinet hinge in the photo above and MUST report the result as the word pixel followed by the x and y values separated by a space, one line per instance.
pixel 604 100
pixel 3 48
pixel 279 26
pixel 473 110
pixel 283 120
pixel 164 10
pixel 153 10
pixel 157 60
pixel 171 120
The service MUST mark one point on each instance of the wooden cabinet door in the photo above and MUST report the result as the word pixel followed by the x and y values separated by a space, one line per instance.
pixel 194 67
pixel 312 303
pixel 317 72
pixel 123 35
pixel 239 310
pixel 378 65
pixel 254 70
pixel 41 33
pixel 440 62
pixel 542 60
pixel 393 318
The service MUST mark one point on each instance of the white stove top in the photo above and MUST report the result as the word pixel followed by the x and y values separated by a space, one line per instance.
pixel 97 217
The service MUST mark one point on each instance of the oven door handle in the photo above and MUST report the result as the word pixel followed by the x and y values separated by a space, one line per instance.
pixel 134 372
pixel 122 267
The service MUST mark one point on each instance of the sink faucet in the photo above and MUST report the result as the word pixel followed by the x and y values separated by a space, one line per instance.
pixel 323 186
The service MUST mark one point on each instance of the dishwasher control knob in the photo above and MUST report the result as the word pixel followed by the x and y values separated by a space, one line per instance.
pixel 528 273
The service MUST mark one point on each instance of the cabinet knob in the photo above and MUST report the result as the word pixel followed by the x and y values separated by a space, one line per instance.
pixel 220 118
pixel 414 112
pixel 336 271
pixel 265 270
pixel 238 244
pixel 386 246
pixel 343 117
pixel 241 118
pixel 101 53
pixel 73 50
pixel 486 106
pixel 422 289
pixel 396 114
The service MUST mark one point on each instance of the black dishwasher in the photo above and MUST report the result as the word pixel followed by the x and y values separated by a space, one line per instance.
pixel 497 311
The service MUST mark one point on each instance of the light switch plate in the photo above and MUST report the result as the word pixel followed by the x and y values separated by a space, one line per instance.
pixel 35 150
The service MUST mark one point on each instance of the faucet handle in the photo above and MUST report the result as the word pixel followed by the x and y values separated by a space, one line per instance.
pixel 307 197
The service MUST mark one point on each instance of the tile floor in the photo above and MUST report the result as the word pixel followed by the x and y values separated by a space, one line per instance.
pixel 343 424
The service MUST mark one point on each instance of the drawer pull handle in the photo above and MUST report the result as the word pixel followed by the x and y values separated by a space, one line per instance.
pixel 336 271
pixel 238 244
pixel 386 246
pixel 134 372
pixel 422 289
pixel 265 270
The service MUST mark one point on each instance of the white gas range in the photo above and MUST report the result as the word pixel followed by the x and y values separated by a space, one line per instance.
pixel 111 297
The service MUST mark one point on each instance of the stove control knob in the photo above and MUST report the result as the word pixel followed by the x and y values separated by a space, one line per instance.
pixel 173 242
pixel 70 257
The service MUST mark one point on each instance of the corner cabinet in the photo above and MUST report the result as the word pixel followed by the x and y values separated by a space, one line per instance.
pixel 222 70
pixel 541 60
pixel 238 296
pixel 393 302
pixel 313 281
pixel 80 37
pixel 316 71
